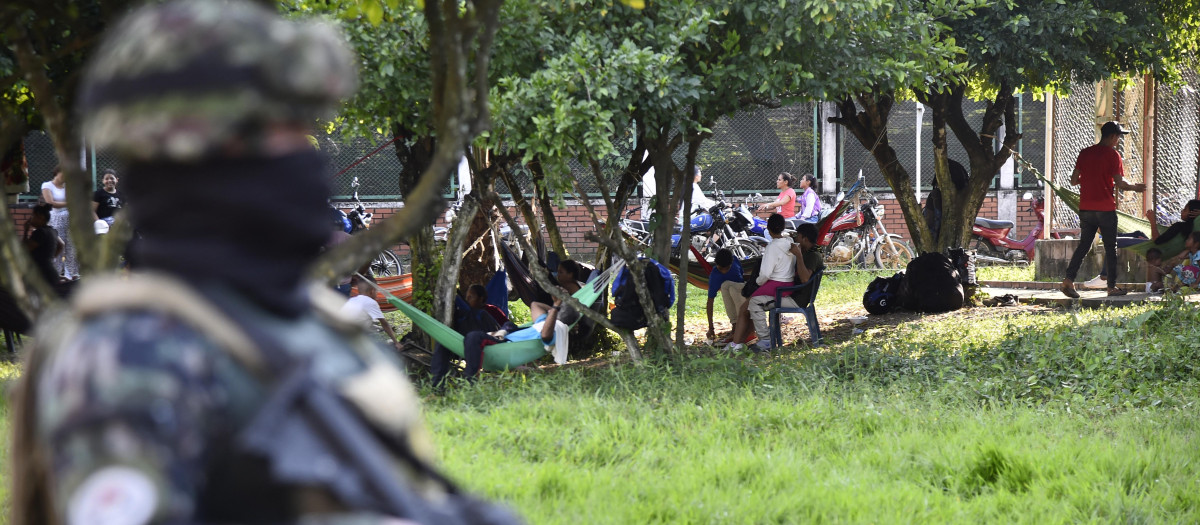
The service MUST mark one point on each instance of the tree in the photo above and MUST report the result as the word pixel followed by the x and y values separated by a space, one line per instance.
pixel 430 91
pixel 43 46
pixel 1009 47
pixel 670 71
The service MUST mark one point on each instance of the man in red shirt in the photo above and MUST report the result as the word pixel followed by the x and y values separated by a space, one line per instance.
pixel 1098 170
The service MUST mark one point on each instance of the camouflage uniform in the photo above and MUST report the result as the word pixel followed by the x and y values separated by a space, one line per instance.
pixel 153 401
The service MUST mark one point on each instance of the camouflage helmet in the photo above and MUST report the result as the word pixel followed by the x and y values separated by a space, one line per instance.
pixel 179 80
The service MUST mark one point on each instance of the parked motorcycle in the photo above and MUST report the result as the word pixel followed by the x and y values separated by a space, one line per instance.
pixel 711 231
pixel 857 236
pixel 359 219
pixel 991 241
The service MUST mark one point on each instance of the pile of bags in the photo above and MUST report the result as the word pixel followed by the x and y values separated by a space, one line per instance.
pixel 932 283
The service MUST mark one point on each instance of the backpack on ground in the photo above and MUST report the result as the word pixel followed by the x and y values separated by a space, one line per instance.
pixel 933 284
pixel 883 294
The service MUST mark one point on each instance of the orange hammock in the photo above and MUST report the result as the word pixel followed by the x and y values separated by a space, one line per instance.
pixel 400 286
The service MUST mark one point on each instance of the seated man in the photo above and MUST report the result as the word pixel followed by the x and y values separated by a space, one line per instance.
pixel 808 262
pixel 473 316
pixel 726 279
pixel 365 309
pixel 43 243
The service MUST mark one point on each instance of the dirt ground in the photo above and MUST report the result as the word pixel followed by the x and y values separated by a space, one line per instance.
pixel 837 327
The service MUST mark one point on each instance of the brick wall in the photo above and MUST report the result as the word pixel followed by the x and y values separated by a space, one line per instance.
pixel 893 218
pixel 574 221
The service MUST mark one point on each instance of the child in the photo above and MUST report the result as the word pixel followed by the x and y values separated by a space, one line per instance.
pixel 1154 270
pixel 1188 268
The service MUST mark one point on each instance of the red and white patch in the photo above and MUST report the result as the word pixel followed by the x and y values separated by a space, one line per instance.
pixel 113 496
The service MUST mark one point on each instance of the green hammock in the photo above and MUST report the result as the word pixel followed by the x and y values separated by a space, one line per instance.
pixel 507 355
pixel 1126 223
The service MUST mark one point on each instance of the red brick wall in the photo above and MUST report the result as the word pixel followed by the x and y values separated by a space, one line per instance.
pixel 574 221
pixel 20 214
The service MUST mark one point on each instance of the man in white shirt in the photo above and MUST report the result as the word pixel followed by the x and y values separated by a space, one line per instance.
pixel 364 309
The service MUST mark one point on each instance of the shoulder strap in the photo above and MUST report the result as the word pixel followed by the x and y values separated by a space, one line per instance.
pixel 161 293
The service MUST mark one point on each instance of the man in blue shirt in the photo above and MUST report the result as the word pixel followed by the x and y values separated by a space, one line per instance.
pixel 726 279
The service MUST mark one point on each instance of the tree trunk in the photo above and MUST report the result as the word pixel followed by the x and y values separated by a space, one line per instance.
pixel 684 255
pixel 869 126
pixel 629 179
pixel 415 158
pixel 546 206
pixel 67 145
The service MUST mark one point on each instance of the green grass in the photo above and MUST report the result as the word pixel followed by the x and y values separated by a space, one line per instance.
pixel 1065 417
pixel 1069 416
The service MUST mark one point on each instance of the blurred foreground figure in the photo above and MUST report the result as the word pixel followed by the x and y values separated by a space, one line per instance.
pixel 214 385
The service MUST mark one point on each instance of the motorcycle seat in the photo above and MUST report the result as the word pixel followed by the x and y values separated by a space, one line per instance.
pixel 645 225
pixel 994 225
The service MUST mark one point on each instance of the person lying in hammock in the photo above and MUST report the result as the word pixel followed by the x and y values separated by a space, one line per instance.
pixel 551 324
pixel 1183 228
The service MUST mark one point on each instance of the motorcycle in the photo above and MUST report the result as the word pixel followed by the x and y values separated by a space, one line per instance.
pixel 714 229
pixel 993 244
pixel 711 231
pixel 442 233
pixel 858 233
pixel 359 219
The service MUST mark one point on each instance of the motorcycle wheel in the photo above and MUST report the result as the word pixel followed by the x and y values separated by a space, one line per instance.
pixel 385 264
pixel 893 255
pixel 745 250
pixel 985 254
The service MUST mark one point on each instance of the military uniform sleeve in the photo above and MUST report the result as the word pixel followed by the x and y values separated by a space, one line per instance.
pixel 131 406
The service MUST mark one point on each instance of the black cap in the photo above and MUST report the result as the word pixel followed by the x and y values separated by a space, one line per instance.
pixel 1112 128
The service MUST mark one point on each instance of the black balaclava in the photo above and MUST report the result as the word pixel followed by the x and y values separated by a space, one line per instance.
pixel 250 224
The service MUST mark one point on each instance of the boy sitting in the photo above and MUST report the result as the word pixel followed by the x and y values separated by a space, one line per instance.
pixel 1187 269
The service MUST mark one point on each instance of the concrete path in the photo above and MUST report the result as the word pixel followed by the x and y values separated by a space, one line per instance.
pixel 1044 293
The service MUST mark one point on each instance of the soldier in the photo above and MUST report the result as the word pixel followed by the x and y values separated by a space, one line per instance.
pixel 214 385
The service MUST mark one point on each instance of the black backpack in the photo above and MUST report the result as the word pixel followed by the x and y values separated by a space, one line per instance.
pixel 627 312
pixel 933 284
pixel 884 294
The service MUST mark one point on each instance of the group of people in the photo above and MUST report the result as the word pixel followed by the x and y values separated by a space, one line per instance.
pixel 47 233
pixel 786 262
pixel 805 207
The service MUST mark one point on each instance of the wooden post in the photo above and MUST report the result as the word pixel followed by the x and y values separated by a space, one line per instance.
pixel 1048 167
pixel 1148 159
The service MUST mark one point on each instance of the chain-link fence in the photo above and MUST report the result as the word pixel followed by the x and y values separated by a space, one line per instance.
pixel 1172 141
pixel 902 137
pixel 1176 147
pixel 744 154
pixel 1074 129
pixel 1128 107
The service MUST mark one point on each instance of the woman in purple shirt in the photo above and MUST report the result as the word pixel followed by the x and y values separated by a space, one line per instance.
pixel 810 204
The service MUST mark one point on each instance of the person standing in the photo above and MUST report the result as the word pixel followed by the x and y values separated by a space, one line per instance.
pixel 54 193
pixel 107 200
pixel 217 383
pixel 1099 171
pixel 785 203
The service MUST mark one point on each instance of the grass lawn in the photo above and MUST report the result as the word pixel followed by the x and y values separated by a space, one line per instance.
pixel 993 415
